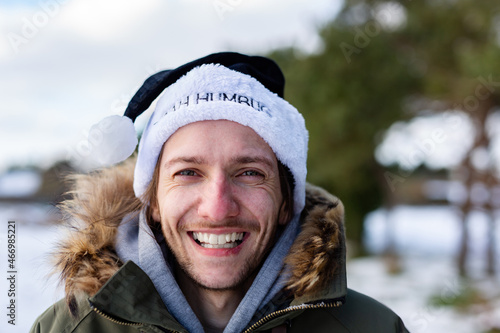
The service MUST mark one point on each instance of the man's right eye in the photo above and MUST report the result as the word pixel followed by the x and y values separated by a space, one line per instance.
pixel 189 173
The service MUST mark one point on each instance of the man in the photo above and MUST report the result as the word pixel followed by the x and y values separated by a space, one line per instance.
pixel 212 228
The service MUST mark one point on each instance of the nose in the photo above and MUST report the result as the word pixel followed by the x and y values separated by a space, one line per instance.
pixel 218 202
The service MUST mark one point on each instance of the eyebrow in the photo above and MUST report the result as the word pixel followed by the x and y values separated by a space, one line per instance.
pixel 236 160
pixel 184 159
pixel 253 159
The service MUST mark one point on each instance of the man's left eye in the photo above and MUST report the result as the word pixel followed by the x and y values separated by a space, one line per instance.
pixel 187 173
pixel 251 173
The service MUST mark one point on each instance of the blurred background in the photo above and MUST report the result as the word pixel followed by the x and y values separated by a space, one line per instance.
pixel 401 99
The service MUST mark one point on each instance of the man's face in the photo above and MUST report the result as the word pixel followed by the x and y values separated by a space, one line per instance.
pixel 218 201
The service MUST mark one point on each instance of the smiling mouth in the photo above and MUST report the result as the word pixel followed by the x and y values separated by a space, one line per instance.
pixel 221 241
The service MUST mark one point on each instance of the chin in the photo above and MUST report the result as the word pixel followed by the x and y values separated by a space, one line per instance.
pixel 222 283
pixel 216 275
pixel 219 283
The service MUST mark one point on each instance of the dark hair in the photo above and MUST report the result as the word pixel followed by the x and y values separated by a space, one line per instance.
pixel 287 184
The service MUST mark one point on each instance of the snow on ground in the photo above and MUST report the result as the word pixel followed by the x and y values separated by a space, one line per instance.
pixel 35 290
pixel 410 293
pixel 427 239
pixel 426 236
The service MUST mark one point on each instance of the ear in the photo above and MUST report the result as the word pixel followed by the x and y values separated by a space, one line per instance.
pixel 155 211
pixel 283 216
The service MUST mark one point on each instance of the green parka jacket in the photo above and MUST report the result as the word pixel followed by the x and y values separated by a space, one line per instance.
pixel 104 294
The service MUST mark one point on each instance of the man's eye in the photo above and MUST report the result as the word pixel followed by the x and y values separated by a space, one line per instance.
pixel 189 173
pixel 251 173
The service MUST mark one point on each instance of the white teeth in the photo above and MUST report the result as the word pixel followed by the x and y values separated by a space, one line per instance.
pixel 218 241
pixel 222 239
pixel 219 246
pixel 213 239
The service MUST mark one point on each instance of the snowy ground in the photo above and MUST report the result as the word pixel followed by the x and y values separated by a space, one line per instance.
pixel 410 293
pixel 426 237
pixel 35 290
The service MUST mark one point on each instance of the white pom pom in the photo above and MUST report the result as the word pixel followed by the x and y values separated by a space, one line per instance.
pixel 111 140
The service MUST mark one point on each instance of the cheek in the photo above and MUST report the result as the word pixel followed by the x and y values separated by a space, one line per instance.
pixel 264 205
pixel 175 206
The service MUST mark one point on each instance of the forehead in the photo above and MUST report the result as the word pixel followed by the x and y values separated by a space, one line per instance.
pixel 217 139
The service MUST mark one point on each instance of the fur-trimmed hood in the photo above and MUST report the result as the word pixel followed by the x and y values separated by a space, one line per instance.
pixel 86 259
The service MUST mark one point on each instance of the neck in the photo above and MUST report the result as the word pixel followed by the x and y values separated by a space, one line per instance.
pixel 214 308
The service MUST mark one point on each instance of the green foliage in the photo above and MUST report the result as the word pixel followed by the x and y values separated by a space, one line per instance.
pixel 455 41
pixel 368 76
pixel 493 330
pixel 462 300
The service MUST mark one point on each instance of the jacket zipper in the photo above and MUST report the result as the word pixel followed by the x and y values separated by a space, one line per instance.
pixel 278 313
pixel 260 322
pixel 121 322
pixel 114 320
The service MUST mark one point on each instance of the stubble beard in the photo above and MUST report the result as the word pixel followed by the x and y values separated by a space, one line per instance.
pixel 242 280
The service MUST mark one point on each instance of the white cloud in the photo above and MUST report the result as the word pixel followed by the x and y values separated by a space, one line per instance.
pixel 107 21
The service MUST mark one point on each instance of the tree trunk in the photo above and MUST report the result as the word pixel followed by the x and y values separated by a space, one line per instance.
pixel 464 246
pixel 491 246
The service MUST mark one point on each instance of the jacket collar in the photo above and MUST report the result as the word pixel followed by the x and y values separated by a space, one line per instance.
pixel 123 298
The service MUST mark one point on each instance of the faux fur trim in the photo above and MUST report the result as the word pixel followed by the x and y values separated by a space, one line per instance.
pixel 314 257
pixel 86 259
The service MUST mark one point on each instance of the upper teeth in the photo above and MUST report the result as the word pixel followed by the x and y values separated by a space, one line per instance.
pixel 214 239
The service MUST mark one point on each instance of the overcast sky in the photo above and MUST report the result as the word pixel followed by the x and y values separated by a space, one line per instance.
pixel 66 64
